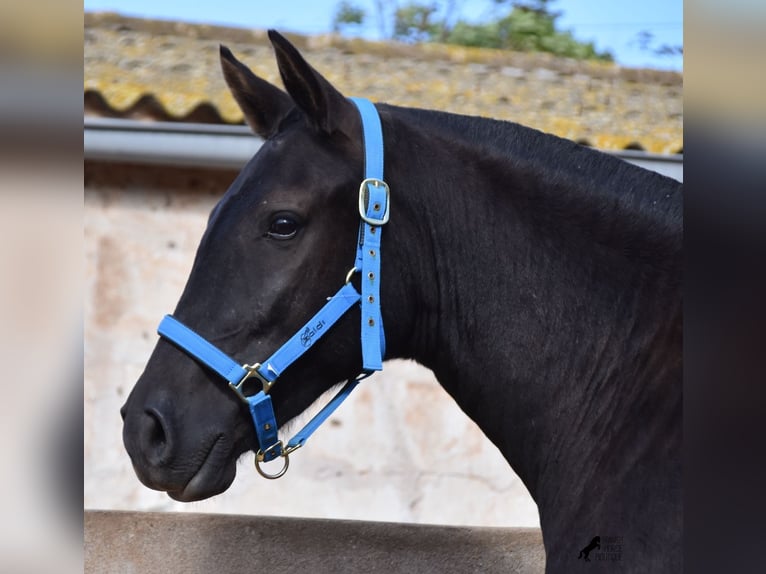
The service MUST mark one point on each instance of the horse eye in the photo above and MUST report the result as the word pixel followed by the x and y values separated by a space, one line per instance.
pixel 283 227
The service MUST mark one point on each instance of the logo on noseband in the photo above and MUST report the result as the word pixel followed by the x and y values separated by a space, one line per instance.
pixel 307 337
pixel 604 549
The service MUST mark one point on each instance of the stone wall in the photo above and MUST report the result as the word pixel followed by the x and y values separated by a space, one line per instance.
pixel 168 543
pixel 399 450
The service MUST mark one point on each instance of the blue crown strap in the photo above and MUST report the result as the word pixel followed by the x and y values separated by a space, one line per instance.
pixel 373 339
pixel 201 349
pixel 372 134
pixel 374 207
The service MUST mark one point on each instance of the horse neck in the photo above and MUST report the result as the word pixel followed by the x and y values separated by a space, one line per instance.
pixel 534 304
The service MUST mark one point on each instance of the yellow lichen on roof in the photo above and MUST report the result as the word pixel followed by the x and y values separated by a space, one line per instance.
pixel 176 68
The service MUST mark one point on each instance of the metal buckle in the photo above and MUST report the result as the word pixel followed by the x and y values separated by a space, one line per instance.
pixel 261 455
pixel 363 201
pixel 252 371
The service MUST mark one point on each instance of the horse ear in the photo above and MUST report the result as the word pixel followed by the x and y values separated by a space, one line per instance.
pixel 324 106
pixel 263 104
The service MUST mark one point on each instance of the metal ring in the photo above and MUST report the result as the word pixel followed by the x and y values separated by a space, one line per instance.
pixel 252 372
pixel 350 274
pixel 265 474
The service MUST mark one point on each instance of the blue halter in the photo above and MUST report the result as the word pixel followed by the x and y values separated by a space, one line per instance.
pixel 374 205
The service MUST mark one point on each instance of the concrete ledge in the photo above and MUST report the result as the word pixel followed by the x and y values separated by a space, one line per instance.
pixel 168 543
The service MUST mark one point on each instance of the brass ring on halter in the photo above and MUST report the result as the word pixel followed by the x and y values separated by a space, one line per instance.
pixel 259 456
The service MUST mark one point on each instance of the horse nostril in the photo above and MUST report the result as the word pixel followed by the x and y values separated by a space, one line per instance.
pixel 124 411
pixel 156 437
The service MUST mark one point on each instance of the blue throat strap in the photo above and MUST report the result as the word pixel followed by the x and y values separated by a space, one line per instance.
pixel 374 206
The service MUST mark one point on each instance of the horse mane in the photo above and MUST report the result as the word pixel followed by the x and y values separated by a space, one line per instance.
pixel 610 201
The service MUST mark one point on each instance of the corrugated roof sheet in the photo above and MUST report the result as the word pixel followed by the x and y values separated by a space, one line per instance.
pixel 170 71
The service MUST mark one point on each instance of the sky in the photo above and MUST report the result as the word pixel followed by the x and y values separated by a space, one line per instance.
pixel 612 25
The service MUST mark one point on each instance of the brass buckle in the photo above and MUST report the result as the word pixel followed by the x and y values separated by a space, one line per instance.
pixel 261 455
pixel 252 371
pixel 363 201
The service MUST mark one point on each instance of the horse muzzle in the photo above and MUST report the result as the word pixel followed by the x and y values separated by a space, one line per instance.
pixel 187 468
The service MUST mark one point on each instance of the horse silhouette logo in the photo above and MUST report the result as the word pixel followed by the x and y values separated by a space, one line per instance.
pixel 306 337
pixel 595 543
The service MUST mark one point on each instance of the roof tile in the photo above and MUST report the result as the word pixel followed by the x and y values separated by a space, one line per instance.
pixel 170 71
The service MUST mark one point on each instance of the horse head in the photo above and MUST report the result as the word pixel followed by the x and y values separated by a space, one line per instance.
pixel 278 243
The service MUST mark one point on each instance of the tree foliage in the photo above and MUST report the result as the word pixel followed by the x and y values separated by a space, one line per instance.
pixel 645 40
pixel 523 25
pixel 346 14
pixel 414 22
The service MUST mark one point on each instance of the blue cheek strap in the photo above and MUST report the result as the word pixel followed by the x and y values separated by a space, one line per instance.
pixel 374 209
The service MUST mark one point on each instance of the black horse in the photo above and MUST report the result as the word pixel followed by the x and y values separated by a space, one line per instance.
pixel 538 279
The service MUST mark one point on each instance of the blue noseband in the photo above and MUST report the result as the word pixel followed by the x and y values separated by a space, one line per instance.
pixel 374 205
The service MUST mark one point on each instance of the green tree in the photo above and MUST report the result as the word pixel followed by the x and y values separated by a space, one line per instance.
pixel 414 22
pixel 528 26
pixel 523 25
pixel 645 41
pixel 347 14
